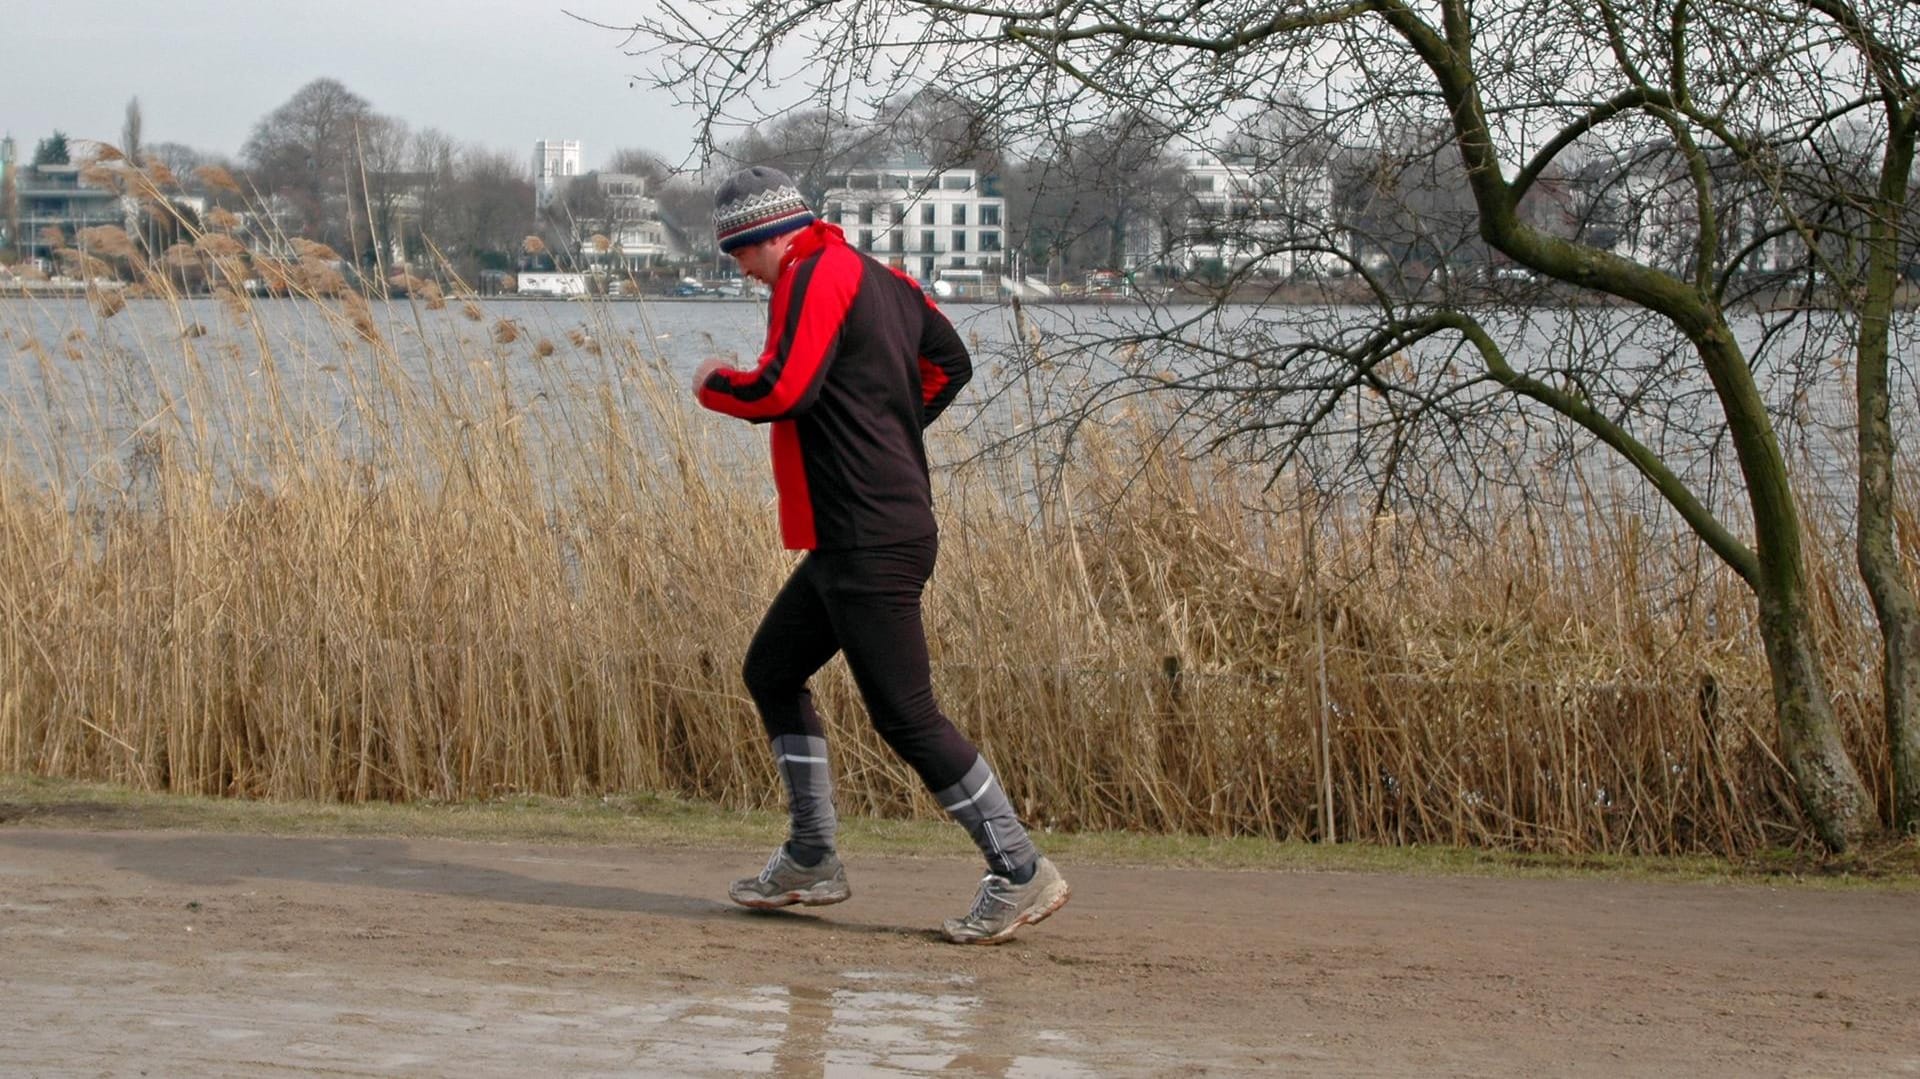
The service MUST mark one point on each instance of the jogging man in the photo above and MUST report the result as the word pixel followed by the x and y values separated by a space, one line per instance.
pixel 857 361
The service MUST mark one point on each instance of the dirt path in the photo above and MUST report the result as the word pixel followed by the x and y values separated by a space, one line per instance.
pixel 178 953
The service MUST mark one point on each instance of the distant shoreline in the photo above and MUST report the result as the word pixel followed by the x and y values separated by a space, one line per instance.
pixel 1275 296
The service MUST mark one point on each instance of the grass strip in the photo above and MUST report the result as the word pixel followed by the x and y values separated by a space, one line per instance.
pixel 657 820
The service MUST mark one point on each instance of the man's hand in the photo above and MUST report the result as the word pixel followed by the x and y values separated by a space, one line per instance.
pixel 707 367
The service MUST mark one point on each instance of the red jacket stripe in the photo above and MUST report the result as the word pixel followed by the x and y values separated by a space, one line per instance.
pixel 796 356
pixel 933 379
pixel 938 367
pixel 790 479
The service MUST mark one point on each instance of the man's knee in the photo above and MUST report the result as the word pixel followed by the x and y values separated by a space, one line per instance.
pixel 933 746
pixel 763 679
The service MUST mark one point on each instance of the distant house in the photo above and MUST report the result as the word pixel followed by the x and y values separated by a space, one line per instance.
pixel 1239 217
pixel 57 201
pixel 627 233
pixel 607 222
pixel 43 207
pixel 929 222
pixel 1642 203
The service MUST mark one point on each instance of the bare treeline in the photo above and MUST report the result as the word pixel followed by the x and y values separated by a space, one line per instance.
pixel 324 167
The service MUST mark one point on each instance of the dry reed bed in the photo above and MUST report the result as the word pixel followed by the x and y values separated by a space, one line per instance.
pixel 492 590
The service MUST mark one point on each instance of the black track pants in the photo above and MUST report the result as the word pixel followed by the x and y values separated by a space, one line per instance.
pixel 866 603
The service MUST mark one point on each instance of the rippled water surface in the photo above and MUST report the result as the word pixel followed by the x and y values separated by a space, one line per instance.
pixel 85 395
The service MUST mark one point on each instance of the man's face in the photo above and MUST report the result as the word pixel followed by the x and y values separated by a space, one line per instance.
pixel 761 261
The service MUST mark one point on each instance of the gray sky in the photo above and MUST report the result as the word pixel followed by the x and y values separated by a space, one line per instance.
pixel 498 72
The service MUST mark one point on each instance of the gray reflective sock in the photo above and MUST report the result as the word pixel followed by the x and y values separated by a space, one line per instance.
pixel 984 810
pixel 802 760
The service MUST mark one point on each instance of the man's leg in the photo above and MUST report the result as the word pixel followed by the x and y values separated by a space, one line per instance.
pixel 795 640
pixel 873 597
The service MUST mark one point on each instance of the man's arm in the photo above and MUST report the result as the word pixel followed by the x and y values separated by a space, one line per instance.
pixel 944 365
pixel 803 335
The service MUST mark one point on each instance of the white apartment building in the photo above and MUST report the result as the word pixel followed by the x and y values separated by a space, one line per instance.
pixel 632 234
pixel 1238 218
pixel 1646 199
pixel 938 225
pixel 555 161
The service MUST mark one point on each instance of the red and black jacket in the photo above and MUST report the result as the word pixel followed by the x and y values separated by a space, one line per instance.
pixel 858 360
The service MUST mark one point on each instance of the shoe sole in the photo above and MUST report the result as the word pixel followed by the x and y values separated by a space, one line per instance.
pixel 797 898
pixel 1029 918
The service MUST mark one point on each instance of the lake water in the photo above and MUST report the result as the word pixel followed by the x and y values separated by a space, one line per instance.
pixel 83 392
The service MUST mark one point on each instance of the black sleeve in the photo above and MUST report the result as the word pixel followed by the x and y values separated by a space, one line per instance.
pixel 944 364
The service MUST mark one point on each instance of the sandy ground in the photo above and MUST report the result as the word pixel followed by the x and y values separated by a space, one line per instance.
pixel 181 953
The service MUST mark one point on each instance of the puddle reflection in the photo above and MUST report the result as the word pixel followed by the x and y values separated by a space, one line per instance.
pixel 866 1024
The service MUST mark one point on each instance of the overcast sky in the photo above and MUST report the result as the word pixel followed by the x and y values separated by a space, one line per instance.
pixel 498 72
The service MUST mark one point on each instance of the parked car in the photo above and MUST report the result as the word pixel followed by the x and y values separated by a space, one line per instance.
pixel 1105 283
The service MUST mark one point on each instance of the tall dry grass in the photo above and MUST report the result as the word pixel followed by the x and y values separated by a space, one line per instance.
pixel 1222 662
pixel 502 578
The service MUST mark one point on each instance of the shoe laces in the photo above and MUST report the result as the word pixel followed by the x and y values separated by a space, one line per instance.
pixel 994 890
pixel 773 863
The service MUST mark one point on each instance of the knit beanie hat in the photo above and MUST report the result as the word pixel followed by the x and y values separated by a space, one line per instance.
pixel 757 204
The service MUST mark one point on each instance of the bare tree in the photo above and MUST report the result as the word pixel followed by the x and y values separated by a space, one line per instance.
pixel 486 216
pixel 637 162
pixel 942 128
pixel 1690 117
pixel 153 213
pixel 432 156
pixel 810 145
pixel 1105 195
pixel 686 214
pixel 181 160
pixel 378 186
pixel 303 153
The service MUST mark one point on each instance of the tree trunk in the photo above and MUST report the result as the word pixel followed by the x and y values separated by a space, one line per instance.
pixel 1830 788
pixel 1900 683
pixel 1828 785
pixel 1875 550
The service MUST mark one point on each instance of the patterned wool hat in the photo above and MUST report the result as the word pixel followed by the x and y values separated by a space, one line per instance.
pixel 757 204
